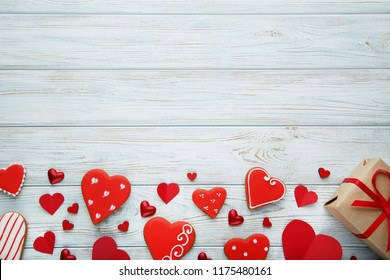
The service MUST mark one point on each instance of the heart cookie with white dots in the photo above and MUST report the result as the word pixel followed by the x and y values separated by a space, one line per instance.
pixel 103 194
pixel 209 201
pixel 255 247
pixel 13 232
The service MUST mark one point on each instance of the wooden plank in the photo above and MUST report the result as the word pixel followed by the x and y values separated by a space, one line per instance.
pixel 194 42
pixel 196 7
pixel 329 97
pixel 220 155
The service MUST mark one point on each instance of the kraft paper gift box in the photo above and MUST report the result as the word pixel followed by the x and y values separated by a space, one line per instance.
pixel 362 204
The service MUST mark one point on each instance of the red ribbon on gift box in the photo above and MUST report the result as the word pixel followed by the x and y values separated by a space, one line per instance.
pixel 378 202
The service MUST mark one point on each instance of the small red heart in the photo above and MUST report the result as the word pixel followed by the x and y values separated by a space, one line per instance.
pixel 74 209
pixel 45 243
pixel 203 257
pixel 210 202
pixel 192 176
pixel 12 179
pixel 167 192
pixel 234 218
pixel 146 209
pixel 66 225
pixel 267 222
pixel 303 197
pixel 353 258
pixel 105 248
pixel 55 176
pixel 323 172
pixel 255 247
pixel 67 256
pixel 300 242
pixel 124 226
pixel 51 203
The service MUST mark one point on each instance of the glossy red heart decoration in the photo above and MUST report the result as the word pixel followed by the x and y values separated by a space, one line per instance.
pixel 300 242
pixel 234 219
pixel 103 194
pixel 13 233
pixel 55 176
pixel 168 241
pixel 74 209
pixel 66 225
pixel 146 209
pixel 12 179
pixel 255 247
pixel 267 222
pixel 353 258
pixel 105 248
pixel 51 203
pixel 45 243
pixel 323 172
pixel 304 197
pixel 262 189
pixel 67 256
pixel 124 226
pixel 209 201
pixel 167 192
pixel 203 257
pixel 192 176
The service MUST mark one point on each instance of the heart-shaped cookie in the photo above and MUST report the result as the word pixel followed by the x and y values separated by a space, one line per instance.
pixel 105 248
pixel 167 192
pixel 51 203
pixel 304 197
pixel 55 176
pixel 300 242
pixel 255 247
pixel 13 232
pixel 103 194
pixel 209 201
pixel 262 189
pixel 168 241
pixel 45 243
pixel 12 179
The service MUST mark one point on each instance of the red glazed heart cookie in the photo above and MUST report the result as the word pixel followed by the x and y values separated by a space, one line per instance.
pixel 168 241
pixel 13 232
pixel 300 242
pixel 103 194
pixel 167 192
pixel 210 202
pixel 262 189
pixel 255 247
pixel 55 176
pixel 105 248
pixel 12 179
pixel 45 243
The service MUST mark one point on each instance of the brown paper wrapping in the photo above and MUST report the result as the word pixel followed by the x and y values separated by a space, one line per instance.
pixel 359 219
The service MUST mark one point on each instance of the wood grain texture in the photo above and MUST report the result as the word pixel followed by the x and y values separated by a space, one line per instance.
pixel 74 98
pixel 194 42
pixel 195 7
pixel 220 155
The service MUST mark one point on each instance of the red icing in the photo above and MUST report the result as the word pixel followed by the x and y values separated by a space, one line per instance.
pixel 255 247
pixel 12 178
pixel 209 201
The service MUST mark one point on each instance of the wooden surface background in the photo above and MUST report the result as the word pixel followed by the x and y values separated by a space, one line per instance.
pixel 155 89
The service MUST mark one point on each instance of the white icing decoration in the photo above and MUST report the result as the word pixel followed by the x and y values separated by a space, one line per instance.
pixel 112 207
pixel 94 180
pixel 13 230
pixel 122 186
pixel 90 202
pixel 97 216
pixel 106 193
pixel 183 237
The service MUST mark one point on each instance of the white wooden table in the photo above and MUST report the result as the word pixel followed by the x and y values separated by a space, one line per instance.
pixel 154 89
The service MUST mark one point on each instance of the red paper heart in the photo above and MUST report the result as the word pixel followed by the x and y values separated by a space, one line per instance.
pixel 105 248
pixel 168 241
pixel 67 256
pixel 45 243
pixel 74 209
pixel 267 222
pixel 55 176
pixel 210 202
pixel 192 176
pixel 103 194
pixel 167 192
pixel 203 257
pixel 323 172
pixel 255 247
pixel 303 197
pixel 262 189
pixel 66 225
pixel 13 232
pixel 12 179
pixel 235 219
pixel 300 242
pixel 124 226
pixel 146 209
pixel 51 203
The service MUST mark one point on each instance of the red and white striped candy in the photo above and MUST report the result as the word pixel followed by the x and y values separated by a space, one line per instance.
pixel 13 232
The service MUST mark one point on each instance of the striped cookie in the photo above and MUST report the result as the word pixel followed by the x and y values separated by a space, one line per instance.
pixel 13 232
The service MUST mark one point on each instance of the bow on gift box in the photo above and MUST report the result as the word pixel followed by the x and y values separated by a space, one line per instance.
pixel 378 202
